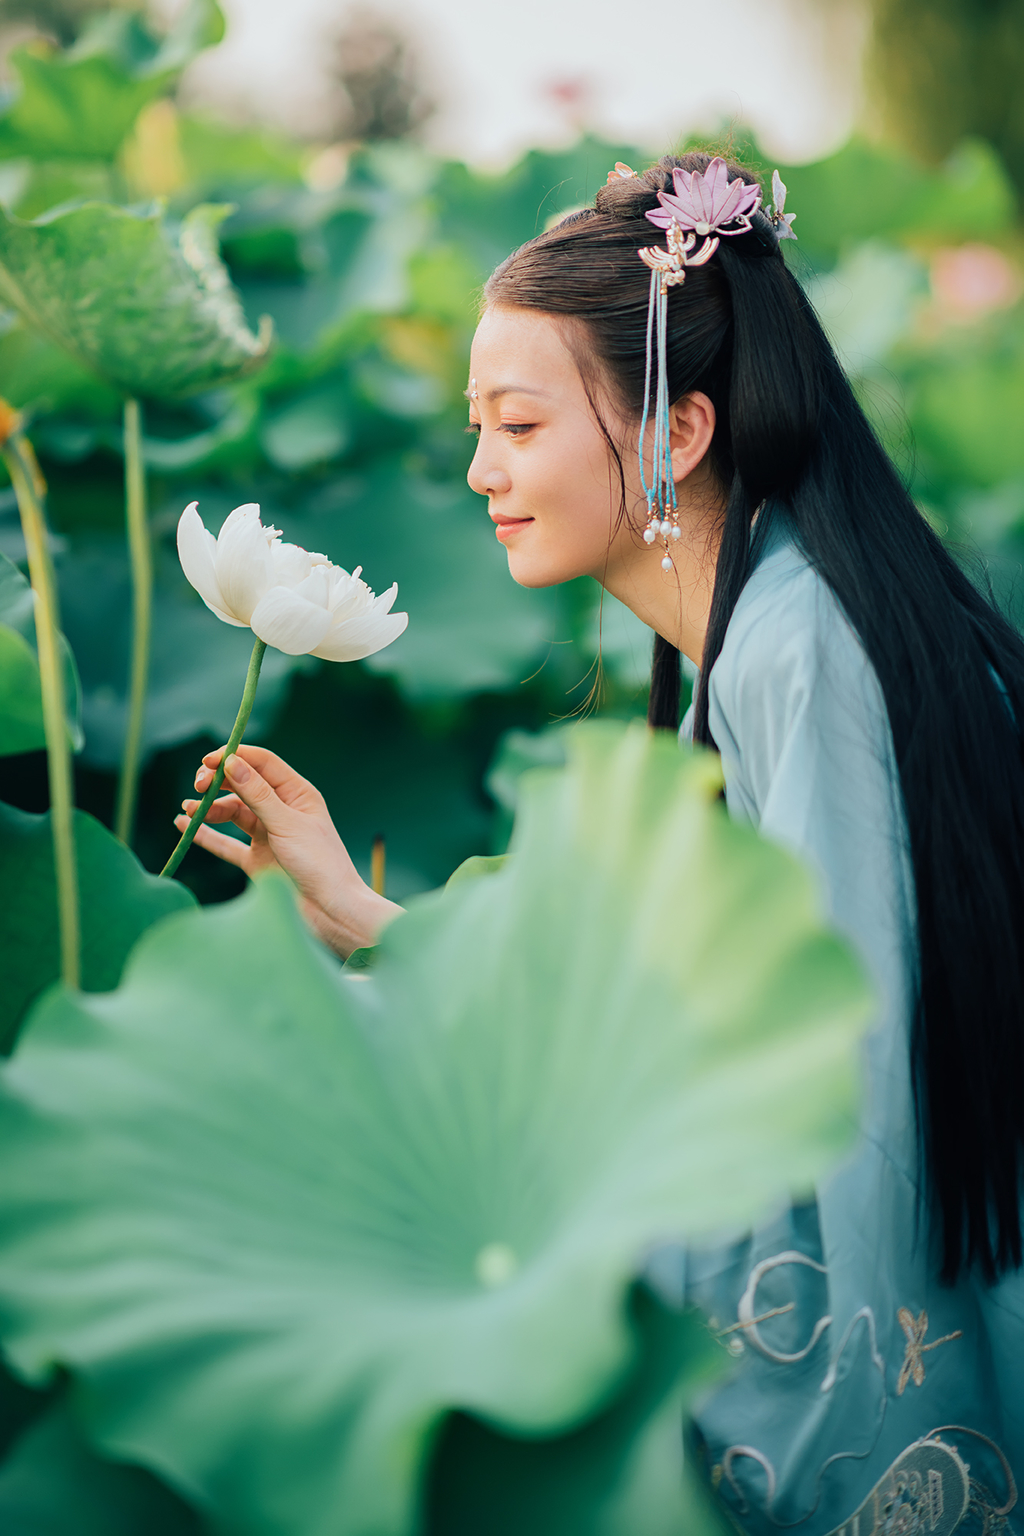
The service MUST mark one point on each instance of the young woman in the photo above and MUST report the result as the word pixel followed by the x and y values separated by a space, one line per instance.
pixel 865 700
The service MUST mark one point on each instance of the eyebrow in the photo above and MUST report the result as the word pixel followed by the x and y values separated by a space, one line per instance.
pixel 510 389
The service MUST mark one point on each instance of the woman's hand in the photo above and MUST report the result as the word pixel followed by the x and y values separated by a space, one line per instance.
pixel 289 828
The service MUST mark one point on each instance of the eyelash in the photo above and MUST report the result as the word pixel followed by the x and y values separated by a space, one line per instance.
pixel 512 428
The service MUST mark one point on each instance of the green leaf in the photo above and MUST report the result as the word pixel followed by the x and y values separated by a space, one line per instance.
pixel 148 305
pixel 118 899
pixel 622 1473
pixel 80 104
pixel 471 628
pixel 279 1221
pixel 52 1484
pixel 21 701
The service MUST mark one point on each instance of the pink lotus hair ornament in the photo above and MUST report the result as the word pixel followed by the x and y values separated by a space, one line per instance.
pixel 707 202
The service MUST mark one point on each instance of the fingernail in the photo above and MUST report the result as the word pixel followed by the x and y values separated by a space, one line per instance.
pixel 236 769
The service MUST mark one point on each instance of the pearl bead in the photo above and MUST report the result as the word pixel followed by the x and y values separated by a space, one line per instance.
pixel 666 528
pixel 702 228
pixel 650 534
pixel 666 563
pixel 677 532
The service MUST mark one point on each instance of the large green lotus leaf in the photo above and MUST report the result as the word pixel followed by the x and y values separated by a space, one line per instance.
pixel 117 898
pixel 52 1484
pixel 145 303
pixel 21 701
pixel 279 1220
pixel 621 1473
pixel 80 104
pixel 471 628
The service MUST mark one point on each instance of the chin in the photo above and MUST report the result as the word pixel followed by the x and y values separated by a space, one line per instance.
pixel 536 570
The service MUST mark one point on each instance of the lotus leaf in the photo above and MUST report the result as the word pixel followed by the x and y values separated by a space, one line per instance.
pixel 145 303
pixel 119 900
pixel 80 104
pixel 279 1220
pixel 21 700
pixel 52 1484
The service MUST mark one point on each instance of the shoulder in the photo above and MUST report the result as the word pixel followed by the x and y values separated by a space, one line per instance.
pixel 789 640
pixel 792 697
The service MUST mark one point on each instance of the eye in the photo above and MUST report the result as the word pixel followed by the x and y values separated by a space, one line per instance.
pixel 473 429
pixel 516 428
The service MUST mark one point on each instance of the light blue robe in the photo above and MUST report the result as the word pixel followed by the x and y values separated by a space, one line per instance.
pixel 827 1438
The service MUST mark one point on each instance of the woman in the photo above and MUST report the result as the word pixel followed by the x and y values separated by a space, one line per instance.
pixel 865 701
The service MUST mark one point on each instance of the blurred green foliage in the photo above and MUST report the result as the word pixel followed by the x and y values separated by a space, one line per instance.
pixel 278 1219
pixel 369 261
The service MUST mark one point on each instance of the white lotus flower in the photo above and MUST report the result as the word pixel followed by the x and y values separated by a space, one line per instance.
pixel 297 602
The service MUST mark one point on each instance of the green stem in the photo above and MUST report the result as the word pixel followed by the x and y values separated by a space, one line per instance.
pixel 141 555
pixel 241 721
pixel 21 467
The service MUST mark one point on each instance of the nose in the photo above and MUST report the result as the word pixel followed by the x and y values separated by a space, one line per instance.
pixel 484 476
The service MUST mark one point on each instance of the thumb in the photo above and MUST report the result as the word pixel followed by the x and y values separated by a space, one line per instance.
pixel 254 791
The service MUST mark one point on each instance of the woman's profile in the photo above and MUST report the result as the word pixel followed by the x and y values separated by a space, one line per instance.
pixel 658 407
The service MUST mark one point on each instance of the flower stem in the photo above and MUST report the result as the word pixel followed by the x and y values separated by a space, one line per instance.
pixel 28 488
pixel 141 556
pixel 241 721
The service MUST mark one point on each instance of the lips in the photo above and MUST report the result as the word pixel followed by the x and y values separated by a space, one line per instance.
pixel 504 527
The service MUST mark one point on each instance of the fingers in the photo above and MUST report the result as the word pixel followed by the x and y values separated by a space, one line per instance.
pixel 227 808
pixel 227 848
pixel 290 786
pixel 254 791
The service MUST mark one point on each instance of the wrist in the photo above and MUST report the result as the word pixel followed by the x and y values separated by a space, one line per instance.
pixel 355 919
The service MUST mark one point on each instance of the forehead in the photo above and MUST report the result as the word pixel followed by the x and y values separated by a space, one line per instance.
pixel 521 345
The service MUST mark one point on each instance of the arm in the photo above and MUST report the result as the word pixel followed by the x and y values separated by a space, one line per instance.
pixel 289 827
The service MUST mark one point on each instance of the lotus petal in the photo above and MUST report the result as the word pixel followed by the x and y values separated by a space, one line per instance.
pixel 245 568
pixel 289 622
pixel 352 639
pixel 197 551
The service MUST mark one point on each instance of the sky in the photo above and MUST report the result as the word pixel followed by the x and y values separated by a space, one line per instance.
pixel 511 77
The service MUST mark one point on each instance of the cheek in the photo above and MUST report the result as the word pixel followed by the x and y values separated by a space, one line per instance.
pixel 572 492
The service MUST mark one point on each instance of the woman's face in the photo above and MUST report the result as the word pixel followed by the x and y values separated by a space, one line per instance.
pixel 542 461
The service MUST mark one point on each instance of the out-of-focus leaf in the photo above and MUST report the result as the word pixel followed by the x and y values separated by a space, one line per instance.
pixel 965 409
pixel 198 665
pixel 81 103
pixel 866 303
pixel 118 900
pixel 52 1484
pixel 622 1473
pixel 149 306
pixel 42 377
pixel 308 430
pixel 470 627
pixel 279 1221
pixel 486 217
pixel 866 192
pixel 21 702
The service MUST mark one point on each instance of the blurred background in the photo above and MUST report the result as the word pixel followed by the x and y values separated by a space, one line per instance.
pixel 378 163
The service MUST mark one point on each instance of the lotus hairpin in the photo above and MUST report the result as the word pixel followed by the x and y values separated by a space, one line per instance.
pixel 622 172
pixel 707 202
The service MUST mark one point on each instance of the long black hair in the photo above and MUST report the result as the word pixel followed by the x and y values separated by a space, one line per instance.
pixel 951 667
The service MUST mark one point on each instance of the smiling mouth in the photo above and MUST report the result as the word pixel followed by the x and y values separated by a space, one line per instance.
pixel 506 526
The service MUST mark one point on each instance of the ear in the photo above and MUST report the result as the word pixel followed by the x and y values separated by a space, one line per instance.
pixel 691 428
